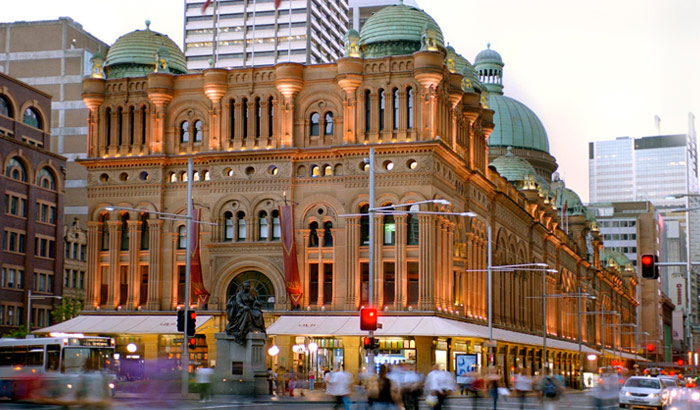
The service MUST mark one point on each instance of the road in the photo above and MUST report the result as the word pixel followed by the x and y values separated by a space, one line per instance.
pixel 573 401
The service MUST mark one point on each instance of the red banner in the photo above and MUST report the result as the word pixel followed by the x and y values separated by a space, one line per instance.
pixel 197 282
pixel 289 249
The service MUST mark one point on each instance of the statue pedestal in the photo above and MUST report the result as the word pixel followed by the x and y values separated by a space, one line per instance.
pixel 240 369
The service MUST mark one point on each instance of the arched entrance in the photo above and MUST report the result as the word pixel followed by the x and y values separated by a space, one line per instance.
pixel 260 286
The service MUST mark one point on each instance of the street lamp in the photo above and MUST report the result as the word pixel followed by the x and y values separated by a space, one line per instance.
pixel 29 306
pixel 602 314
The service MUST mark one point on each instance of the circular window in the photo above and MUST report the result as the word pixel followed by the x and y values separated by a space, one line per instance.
pixel 228 172
pixel 123 176
pixel 260 286
pixel 388 165
pixel 320 211
pixel 364 166
pixel 104 178
pixel 272 170
pixel 412 164
pixel 143 176
pixel 250 171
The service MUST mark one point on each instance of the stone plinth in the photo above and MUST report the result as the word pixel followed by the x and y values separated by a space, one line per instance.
pixel 240 369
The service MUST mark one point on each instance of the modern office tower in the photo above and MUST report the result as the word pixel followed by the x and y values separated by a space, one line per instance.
pixel 32 196
pixel 361 10
pixel 54 56
pixel 242 33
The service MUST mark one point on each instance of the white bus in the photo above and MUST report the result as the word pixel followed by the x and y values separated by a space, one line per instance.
pixel 29 368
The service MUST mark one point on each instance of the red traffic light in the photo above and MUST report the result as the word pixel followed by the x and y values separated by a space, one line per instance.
pixel 367 342
pixel 192 342
pixel 680 362
pixel 368 319
pixel 193 315
pixel 650 347
pixel 649 268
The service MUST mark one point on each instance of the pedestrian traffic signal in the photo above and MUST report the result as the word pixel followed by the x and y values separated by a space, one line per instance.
pixel 180 320
pixel 649 268
pixel 191 322
pixel 370 343
pixel 192 343
pixel 368 319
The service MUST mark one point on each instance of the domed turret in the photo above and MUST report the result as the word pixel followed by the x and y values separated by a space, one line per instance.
pixel 142 52
pixel 516 170
pixel 399 30
pixel 567 197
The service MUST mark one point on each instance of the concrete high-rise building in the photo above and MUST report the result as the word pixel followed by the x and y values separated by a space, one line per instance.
pixel 253 33
pixel 53 56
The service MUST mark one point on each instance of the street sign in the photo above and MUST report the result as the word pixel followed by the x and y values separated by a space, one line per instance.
pixel 176 341
pixel 491 343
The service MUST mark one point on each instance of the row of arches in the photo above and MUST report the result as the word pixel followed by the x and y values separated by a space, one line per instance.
pixel 18 169
pixel 30 115
pixel 126 127
pixel 394 108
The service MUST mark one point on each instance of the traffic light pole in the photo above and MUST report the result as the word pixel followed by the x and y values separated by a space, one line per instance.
pixel 370 273
pixel 185 359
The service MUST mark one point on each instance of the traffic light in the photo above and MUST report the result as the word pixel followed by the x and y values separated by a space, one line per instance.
pixel 368 319
pixel 191 322
pixel 180 320
pixel 649 268
pixel 192 343
pixel 370 343
pixel 650 348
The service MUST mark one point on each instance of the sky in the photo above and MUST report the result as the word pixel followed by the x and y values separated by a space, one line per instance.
pixel 591 70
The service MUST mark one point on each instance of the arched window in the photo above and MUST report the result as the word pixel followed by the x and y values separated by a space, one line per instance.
pixel 124 237
pixel 244 105
pixel 104 232
pixel 276 225
pixel 131 125
pixel 15 170
pixel 327 170
pixel 240 224
pixel 314 129
pixel 315 171
pixel 183 176
pixel 263 230
pixel 260 287
pixel 313 234
pixel 173 177
pixel 258 117
pixel 389 230
pixel 143 125
pixel 364 225
pixel 198 131
pixel 182 237
pixel 206 176
pixel 412 226
pixel 368 111
pixel 120 114
pixel 31 117
pixel 327 234
pixel 328 124
pixel 228 226
pixel 108 126
pixel 382 105
pixel 395 107
pixel 409 107
pixel 5 107
pixel 46 180
pixel 270 116
pixel 184 132
pixel 232 119
pixel 144 231
pixel 195 176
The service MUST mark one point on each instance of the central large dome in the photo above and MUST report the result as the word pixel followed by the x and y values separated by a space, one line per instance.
pixel 516 125
pixel 397 30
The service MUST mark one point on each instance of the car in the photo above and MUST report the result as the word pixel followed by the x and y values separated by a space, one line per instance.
pixel 645 392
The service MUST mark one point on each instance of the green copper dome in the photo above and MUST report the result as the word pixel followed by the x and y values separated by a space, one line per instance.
pixel 565 196
pixel 488 56
pixel 516 125
pixel 397 30
pixel 513 168
pixel 135 55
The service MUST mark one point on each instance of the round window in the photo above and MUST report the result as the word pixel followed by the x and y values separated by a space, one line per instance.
pixel 104 178
pixel 412 164
pixel 250 171
pixel 260 286
pixel 123 176
pixel 143 176
pixel 388 165
pixel 272 170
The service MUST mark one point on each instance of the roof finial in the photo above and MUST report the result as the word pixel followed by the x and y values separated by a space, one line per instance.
pixel 148 24
pixel 400 1
pixel 488 45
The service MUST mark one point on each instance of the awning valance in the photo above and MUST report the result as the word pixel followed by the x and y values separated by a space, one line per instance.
pixel 313 325
pixel 120 324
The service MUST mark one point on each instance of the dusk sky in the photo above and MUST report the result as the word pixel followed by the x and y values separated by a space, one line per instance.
pixel 591 70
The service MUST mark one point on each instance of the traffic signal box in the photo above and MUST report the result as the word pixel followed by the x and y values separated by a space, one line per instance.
pixel 650 270
pixel 180 320
pixel 191 322
pixel 368 319
pixel 192 342
pixel 370 343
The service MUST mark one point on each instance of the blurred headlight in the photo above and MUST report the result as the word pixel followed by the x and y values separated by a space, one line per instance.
pixel 653 395
pixel 695 396
pixel 111 385
pixel 70 386
pixel 626 393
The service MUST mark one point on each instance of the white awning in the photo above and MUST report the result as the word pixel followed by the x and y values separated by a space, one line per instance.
pixel 407 326
pixel 120 324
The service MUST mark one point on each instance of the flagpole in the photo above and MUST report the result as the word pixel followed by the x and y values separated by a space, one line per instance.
pixel 289 38
pixel 252 57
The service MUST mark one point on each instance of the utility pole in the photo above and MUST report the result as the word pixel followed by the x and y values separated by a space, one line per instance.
pixel 188 247
pixel 372 233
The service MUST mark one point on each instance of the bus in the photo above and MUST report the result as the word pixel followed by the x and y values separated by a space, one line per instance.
pixel 56 368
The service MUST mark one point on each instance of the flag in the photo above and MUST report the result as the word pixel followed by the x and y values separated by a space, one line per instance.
pixel 566 205
pixel 197 282
pixel 206 4
pixel 289 250
pixel 277 3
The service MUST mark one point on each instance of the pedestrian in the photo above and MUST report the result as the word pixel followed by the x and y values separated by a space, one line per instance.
pixel 523 386
pixel 475 389
pixel 279 383
pixel 339 385
pixel 550 391
pixel 203 378
pixel 438 385
pixel 412 388
pixel 493 383
pixel 387 396
pixel 271 376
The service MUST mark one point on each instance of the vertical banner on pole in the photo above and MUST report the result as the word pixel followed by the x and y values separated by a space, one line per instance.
pixel 289 250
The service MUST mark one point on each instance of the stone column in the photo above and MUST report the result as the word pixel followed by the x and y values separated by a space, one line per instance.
pixel 154 263
pixel 449 233
pixel 351 354
pixel 92 298
pixel 425 354
pixel 352 258
pixel 400 276
pixel 426 274
pixel 134 281
pixel 113 269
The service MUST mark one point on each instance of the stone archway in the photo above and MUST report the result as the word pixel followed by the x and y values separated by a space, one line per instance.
pixel 260 286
